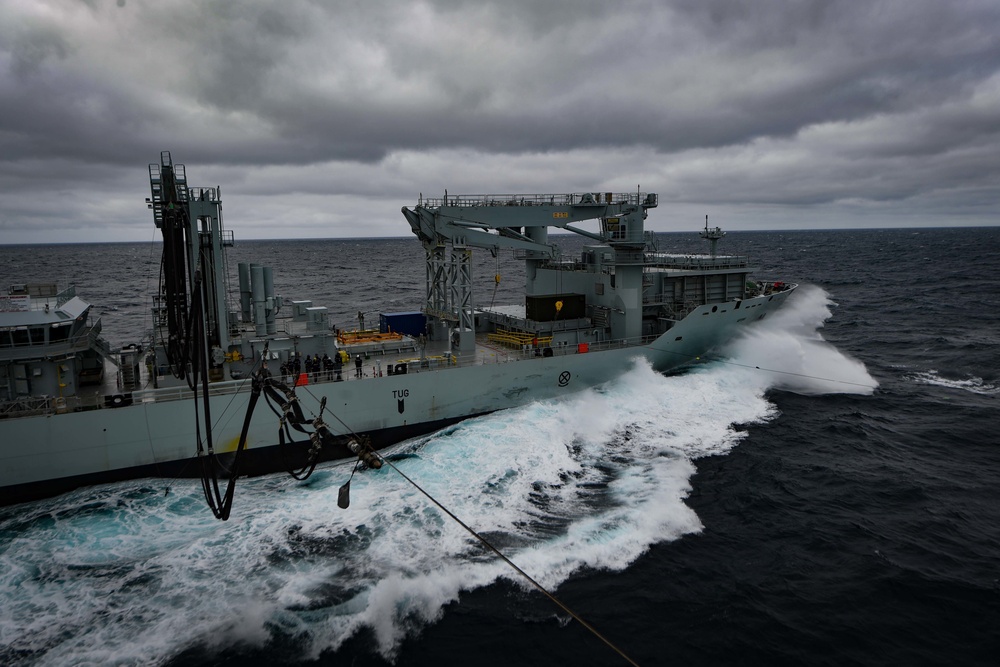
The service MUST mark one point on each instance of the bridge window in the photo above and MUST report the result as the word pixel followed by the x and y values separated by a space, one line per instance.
pixel 20 336
pixel 59 332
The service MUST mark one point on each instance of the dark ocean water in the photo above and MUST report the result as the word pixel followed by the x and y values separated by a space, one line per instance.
pixel 837 505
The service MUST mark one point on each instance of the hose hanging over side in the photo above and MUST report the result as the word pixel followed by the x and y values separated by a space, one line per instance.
pixel 220 505
pixel 291 416
pixel 188 273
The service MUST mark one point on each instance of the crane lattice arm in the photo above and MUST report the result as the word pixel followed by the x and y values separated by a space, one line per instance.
pixel 521 221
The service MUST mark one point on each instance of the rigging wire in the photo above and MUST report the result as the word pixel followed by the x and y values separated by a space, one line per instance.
pixel 343 502
pixel 559 603
pixel 801 375
pixel 721 360
pixel 368 454
pixel 372 458
pixel 496 279
pixel 294 417
pixel 187 353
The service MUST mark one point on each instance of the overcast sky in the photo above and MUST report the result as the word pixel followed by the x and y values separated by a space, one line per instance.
pixel 322 119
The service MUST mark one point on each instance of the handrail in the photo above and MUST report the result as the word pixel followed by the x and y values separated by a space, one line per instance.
pixel 28 406
pixel 561 199
pixel 86 338
pixel 698 262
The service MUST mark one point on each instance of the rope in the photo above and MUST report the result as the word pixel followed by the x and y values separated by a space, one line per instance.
pixel 509 562
pixel 476 535
pixel 801 375
pixel 721 360
pixel 496 282
pixel 482 540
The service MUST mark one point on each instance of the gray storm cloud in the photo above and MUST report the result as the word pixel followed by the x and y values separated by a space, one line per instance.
pixel 313 114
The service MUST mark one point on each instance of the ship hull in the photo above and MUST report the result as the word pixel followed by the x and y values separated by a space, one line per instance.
pixel 46 455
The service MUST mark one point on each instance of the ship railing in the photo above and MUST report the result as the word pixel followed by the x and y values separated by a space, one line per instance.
pixel 18 351
pixel 533 327
pixel 35 297
pixel 96 342
pixel 441 361
pixel 522 351
pixel 561 263
pixel 31 406
pixel 697 262
pixel 503 320
pixel 67 294
pixel 178 393
pixel 634 341
pixel 204 194
pixel 27 406
pixel 561 199
pixel 559 349
pixel 41 405
pixel 226 238
pixel 630 257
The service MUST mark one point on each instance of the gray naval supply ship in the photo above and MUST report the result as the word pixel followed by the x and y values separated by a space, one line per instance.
pixel 184 403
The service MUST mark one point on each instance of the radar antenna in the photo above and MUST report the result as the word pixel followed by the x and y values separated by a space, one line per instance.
pixel 712 235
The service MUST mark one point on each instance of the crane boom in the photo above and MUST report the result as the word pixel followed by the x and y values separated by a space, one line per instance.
pixel 521 221
pixel 450 226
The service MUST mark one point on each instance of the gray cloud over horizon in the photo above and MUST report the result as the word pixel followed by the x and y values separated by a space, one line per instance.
pixel 323 118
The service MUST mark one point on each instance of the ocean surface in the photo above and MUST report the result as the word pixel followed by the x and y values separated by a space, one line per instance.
pixel 824 491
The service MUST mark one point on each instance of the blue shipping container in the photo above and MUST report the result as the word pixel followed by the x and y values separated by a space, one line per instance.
pixel 410 323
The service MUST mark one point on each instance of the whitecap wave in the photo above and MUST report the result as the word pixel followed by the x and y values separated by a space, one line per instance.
pixel 971 383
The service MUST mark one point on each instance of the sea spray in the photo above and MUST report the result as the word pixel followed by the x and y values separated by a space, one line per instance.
pixel 788 350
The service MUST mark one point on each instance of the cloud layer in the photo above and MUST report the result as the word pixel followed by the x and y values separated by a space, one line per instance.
pixel 323 118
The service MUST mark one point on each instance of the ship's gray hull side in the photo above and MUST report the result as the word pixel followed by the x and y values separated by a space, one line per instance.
pixel 50 454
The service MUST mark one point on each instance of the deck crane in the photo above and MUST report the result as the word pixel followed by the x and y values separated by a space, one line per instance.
pixel 449 227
